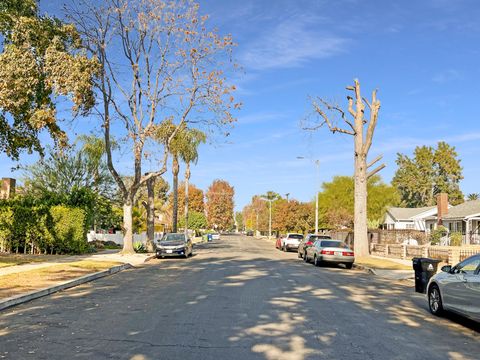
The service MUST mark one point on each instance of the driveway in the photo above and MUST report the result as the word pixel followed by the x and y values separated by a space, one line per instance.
pixel 237 298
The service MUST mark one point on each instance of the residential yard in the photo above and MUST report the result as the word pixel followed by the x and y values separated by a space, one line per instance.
pixel 24 282
pixel 20 259
pixel 381 264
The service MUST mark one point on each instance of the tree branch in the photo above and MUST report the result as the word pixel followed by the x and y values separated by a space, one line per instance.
pixel 376 170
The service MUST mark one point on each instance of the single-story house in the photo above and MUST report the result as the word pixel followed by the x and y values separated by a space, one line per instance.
pixel 463 218
pixel 398 218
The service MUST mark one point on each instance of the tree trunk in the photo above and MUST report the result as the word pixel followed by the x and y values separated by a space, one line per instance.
pixel 175 170
pixel 150 214
pixel 187 179
pixel 128 228
pixel 360 207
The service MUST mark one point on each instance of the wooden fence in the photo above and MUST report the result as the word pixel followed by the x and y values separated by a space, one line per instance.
pixel 448 254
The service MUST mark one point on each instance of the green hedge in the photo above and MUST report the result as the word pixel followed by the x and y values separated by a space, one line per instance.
pixel 28 228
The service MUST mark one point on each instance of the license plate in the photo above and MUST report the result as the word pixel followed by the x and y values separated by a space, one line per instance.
pixel 338 253
pixel 169 251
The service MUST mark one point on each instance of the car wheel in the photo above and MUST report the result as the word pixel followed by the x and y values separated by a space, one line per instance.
pixel 435 300
pixel 349 265
pixel 305 258
pixel 316 262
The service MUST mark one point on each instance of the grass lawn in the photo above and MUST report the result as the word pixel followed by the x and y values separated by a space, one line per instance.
pixel 19 259
pixel 24 282
pixel 381 264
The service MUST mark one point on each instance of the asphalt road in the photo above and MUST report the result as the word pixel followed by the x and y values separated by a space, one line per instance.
pixel 237 298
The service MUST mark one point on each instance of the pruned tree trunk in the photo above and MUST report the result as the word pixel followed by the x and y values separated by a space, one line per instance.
pixel 128 228
pixel 362 144
pixel 175 171
pixel 187 180
pixel 150 214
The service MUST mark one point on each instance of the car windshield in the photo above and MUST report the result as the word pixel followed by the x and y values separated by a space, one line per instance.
pixel 174 237
pixel 295 236
pixel 333 243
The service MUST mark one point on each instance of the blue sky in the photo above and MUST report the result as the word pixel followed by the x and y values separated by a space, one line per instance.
pixel 422 56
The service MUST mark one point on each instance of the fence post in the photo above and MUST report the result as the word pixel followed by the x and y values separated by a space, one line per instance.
pixel 425 251
pixel 453 256
pixel 386 250
pixel 404 252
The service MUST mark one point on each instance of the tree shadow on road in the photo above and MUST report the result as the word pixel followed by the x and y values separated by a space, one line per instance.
pixel 242 307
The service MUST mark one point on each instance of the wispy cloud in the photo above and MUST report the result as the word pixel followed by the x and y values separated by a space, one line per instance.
pixel 260 118
pixel 446 76
pixel 290 43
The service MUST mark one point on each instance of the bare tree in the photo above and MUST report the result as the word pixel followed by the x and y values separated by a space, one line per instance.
pixel 159 62
pixel 354 126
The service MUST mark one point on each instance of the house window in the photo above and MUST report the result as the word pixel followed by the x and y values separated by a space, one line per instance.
pixel 410 226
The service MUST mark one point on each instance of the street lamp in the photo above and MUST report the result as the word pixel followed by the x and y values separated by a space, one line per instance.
pixel 317 163
pixel 269 217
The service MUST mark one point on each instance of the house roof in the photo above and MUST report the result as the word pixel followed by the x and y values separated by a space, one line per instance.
pixel 408 213
pixel 466 209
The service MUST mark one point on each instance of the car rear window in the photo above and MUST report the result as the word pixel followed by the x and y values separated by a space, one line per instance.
pixel 295 236
pixel 319 237
pixel 338 244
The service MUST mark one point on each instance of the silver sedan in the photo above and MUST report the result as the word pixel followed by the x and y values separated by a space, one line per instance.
pixel 456 289
pixel 329 251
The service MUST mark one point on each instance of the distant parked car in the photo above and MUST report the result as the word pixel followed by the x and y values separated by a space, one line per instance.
pixel 174 244
pixel 308 241
pixel 215 236
pixel 456 289
pixel 249 233
pixel 330 251
pixel 291 241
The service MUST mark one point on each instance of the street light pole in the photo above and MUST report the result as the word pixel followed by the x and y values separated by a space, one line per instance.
pixel 317 190
pixel 269 216
pixel 317 162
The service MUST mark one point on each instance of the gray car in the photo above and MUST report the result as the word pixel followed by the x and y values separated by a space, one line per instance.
pixel 329 251
pixel 174 244
pixel 456 289
pixel 308 241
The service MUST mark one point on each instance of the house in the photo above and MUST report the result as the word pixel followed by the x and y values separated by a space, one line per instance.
pixel 398 218
pixel 465 219
pixel 7 189
pixel 421 218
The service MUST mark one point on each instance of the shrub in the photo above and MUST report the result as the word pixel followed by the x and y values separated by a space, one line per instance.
pixel 139 247
pixel 456 239
pixel 69 230
pixel 437 234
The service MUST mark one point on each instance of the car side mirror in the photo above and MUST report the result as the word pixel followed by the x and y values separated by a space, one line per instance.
pixel 447 268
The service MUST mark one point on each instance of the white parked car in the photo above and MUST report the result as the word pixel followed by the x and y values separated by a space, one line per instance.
pixel 291 242
pixel 456 289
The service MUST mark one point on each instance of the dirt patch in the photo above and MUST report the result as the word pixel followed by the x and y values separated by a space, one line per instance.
pixel 381 264
pixel 24 282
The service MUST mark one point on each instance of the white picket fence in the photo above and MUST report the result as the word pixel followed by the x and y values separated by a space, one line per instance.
pixel 118 237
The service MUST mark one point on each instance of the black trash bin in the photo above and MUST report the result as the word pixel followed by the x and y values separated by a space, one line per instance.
pixel 424 268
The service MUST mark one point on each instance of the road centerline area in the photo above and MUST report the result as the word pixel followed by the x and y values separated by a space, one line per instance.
pixel 236 298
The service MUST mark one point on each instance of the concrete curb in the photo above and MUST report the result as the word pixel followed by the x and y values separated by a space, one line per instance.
pixel 151 257
pixel 20 299
pixel 366 268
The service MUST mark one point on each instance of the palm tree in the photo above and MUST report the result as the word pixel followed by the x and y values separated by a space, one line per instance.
pixel 193 138
pixel 473 196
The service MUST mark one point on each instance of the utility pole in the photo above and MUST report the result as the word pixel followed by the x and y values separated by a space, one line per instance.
pixel 287 195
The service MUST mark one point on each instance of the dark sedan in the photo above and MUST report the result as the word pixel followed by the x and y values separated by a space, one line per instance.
pixel 174 244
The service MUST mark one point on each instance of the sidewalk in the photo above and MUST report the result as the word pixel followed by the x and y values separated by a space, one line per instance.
pixel 392 274
pixel 107 255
